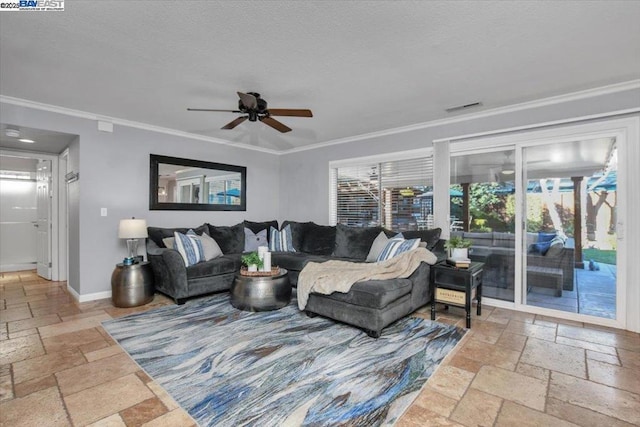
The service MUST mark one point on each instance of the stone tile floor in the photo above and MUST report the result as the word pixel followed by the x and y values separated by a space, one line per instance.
pixel 58 367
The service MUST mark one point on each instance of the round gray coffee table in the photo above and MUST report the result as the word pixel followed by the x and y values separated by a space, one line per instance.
pixel 261 293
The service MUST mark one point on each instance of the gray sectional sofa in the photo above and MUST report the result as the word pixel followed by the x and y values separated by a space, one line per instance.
pixel 369 305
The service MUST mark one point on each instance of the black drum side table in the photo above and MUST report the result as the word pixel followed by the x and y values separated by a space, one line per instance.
pixel 132 285
pixel 456 286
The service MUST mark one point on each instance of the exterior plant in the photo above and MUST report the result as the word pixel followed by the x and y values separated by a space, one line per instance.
pixel 457 242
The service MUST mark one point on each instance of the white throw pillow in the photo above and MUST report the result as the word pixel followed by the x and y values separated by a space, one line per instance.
pixel 377 246
pixel 210 247
pixel 169 242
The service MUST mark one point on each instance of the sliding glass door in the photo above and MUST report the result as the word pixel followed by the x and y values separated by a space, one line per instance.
pixel 482 209
pixel 570 202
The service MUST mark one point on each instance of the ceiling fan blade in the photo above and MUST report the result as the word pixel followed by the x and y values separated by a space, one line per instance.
pixel 275 124
pixel 249 101
pixel 290 112
pixel 209 109
pixel 235 122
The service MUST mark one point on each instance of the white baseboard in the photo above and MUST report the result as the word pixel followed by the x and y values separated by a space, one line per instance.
pixel 88 297
pixel 17 267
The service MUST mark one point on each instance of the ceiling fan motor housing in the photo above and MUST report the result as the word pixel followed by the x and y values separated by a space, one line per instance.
pixel 253 113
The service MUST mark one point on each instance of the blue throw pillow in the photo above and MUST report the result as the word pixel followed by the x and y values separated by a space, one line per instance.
pixel 252 241
pixel 281 241
pixel 396 246
pixel 545 237
pixel 540 247
pixel 190 247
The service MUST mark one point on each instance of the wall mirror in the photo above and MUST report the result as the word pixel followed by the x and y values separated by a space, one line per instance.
pixel 184 184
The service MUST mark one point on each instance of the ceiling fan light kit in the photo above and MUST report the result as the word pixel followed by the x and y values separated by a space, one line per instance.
pixel 256 109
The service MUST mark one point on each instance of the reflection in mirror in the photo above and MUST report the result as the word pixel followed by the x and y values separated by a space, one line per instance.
pixel 196 185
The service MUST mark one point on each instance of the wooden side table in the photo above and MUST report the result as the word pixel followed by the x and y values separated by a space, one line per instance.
pixel 132 285
pixel 456 286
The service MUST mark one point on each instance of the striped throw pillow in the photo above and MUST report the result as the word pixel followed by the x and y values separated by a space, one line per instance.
pixel 396 246
pixel 280 241
pixel 190 247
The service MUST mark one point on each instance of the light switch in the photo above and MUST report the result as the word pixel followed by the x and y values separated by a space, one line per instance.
pixel 103 211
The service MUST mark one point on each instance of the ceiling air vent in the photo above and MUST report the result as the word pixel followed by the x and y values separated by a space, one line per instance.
pixel 463 107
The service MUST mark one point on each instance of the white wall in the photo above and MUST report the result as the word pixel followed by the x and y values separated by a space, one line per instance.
pixel 114 174
pixel 73 215
pixel 304 175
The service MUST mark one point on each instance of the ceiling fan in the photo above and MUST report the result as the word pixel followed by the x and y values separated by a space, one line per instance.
pixel 255 108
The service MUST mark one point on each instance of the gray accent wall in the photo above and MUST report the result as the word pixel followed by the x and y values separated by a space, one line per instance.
pixel 114 174
pixel 304 175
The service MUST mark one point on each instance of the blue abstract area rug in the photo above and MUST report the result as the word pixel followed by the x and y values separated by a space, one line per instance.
pixel 227 367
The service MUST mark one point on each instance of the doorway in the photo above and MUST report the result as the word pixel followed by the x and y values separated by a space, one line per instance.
pixel 571 202
pixel 566 253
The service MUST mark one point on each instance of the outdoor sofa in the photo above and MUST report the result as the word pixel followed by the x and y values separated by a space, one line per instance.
pixel 550 269
pixel 370 305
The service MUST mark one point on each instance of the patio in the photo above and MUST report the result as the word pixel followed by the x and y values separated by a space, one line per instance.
pixel 594 294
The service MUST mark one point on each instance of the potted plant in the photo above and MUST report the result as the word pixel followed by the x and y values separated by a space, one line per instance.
pixel 458 247
pixel 252 261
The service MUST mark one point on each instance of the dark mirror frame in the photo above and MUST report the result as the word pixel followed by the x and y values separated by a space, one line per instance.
pixel 156 159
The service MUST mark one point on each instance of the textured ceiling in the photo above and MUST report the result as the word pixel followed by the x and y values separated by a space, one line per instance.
pixel 360 66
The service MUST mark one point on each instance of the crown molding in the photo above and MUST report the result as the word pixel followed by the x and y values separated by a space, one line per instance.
pixel 573 96
pixel 128 123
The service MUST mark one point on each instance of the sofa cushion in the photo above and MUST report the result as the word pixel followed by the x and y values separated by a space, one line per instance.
pixel 189 247
pixel 210 246
pixel 479 239
pixel 555 248
pixel 545 237
pixel 504 240
pixel 396 246
pixel 377 246
pixel 256 227
pixel 297 232
pixel 294 261
pixel 214 267
pixel 281 240
pixel 252 241
pixel 374 293
pixel 157 233
pixel 354 242
pixel 230 239
pixel 318 239
pixel 430 237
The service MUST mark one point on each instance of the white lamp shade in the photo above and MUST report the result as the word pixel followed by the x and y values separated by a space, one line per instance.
pixel 132 229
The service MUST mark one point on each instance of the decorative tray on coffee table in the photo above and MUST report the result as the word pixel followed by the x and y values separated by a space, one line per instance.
pixel 245 272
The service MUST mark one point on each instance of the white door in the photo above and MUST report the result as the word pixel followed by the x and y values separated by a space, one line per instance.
pixel 43 177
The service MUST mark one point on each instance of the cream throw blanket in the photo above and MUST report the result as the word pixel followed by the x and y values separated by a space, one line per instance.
pixel 338 276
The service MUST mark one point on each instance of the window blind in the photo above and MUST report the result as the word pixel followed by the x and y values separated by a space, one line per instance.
pixel 396 194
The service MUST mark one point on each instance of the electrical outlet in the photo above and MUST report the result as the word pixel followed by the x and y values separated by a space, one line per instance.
pixel 103 211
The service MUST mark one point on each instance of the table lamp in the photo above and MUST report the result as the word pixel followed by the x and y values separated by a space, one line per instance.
pixel 132 230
